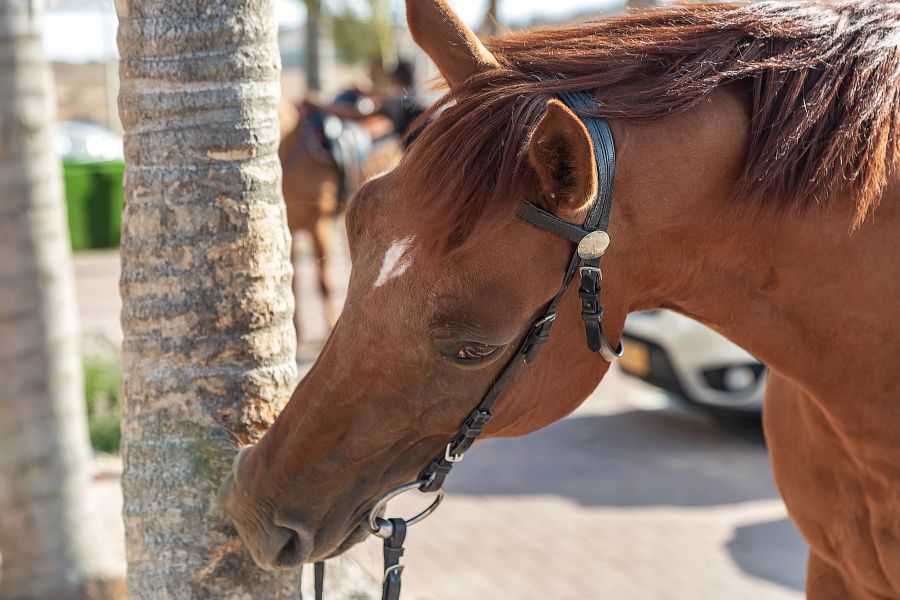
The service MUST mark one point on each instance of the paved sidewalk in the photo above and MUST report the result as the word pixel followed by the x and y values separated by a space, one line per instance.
pixel 629 498
pixel 625 499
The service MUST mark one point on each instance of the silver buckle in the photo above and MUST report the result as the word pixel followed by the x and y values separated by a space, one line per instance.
pixel 545 320
pixel 389 570
pixel 607 352
pixel 583 270
pixel 452 458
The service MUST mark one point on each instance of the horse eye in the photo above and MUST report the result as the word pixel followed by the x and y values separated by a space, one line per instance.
pixel 475 351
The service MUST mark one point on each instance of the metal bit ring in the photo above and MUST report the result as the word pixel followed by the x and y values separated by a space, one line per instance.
pixel 382 527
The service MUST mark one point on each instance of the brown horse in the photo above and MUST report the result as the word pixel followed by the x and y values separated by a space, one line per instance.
pixel 757 190
pixel 311 187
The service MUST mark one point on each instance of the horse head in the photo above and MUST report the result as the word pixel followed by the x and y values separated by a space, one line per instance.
pixel 446 283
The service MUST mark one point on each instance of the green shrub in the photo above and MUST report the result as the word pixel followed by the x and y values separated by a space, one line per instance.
pixel 103 394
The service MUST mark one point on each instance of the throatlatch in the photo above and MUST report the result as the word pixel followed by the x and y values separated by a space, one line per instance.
pixel 592 241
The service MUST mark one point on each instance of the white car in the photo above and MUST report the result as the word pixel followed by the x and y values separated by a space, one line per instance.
pixel 688 359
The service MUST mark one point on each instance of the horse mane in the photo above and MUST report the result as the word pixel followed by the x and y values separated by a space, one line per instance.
pixel 822 82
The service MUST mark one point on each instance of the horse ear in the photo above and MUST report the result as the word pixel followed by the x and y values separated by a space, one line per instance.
pixel 454 48
pixel 561 152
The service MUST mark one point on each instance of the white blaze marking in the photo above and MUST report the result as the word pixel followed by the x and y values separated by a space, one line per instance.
pixel 394 264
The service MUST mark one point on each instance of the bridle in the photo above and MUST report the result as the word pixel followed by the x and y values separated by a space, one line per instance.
pixel 591 242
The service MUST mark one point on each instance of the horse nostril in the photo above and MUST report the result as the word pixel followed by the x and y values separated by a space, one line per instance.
pixel 292 553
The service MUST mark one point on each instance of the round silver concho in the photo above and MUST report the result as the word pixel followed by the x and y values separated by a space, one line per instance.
pixel 593 245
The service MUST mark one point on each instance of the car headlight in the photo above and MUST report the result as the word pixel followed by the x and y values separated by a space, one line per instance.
pixel 738 378
pixel 734 378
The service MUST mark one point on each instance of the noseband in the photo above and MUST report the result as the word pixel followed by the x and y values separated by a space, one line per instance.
pixel 591 242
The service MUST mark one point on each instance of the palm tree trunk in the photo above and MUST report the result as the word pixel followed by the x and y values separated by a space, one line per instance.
pixel 382 27
pixel 49 535
pixel 207 306
pixel 491 20
pixel 314 44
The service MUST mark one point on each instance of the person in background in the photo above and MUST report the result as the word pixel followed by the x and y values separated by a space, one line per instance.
pixel 403 107
pixel 362 103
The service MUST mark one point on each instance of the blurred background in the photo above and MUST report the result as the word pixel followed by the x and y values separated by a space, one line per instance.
pixel 658 487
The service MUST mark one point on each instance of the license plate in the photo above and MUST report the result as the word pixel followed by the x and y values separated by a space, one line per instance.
pixel 635 359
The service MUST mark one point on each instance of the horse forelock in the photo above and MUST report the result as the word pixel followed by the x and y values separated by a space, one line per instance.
pixel 822 85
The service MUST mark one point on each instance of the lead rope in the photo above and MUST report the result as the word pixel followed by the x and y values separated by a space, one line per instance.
pixel 393 551
pixel 319 581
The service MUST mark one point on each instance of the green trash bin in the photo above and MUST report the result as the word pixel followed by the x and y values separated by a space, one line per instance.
pixel 94 198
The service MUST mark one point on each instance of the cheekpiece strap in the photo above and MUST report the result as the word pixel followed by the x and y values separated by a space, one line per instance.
pixel 592 240
pixel 591 237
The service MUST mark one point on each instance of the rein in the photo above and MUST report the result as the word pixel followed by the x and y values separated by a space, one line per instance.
pixel 591 242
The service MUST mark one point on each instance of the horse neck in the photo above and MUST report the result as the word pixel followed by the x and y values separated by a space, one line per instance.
pixel 801 291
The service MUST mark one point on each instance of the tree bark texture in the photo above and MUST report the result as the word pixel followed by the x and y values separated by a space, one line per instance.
pixel 207 306
pixel 49 533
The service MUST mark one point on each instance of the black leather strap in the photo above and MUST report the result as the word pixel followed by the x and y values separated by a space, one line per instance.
pixel 604 155
pixel 597 218
pixel 550 223
pixel 591 310
pixel 436 471
pixel 393 551
pixel 319 579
